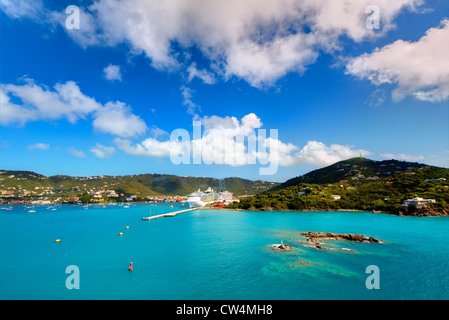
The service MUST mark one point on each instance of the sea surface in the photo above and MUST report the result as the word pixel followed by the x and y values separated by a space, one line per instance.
pixel 216 254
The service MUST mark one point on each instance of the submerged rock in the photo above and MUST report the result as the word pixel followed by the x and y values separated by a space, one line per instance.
pixel 332 249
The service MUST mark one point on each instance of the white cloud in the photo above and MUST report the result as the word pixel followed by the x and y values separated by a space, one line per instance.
pixel 39 146
pixel 116 118
pixel 66 101
pixel 318 154
pixel 192 108
pixel 18 9
pixel 256 40
pixel 76 153
pixel 206 76
pixel 419 69
pixel 228 140
pixel 402 156
pixel 14 114
pixel 102 151
pixel 149 147
pixel 112 72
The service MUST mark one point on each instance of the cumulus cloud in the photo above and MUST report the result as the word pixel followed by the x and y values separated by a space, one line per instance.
pixel 419 69
pixel 256 40
pixel 116 118
pixel 236 142
pixel 318 154
pixel 149 147
pixel 12 113
pixel 37 102
pixel 102 151
pixel 112 72
pixel 65 101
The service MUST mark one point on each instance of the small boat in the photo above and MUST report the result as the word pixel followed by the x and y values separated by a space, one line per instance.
pixel 32 210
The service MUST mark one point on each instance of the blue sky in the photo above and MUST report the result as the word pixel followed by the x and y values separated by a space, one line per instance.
pixel 104 98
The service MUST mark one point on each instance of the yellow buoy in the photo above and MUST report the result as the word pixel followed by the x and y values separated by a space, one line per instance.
pixel 171 206
pixel 127 227
pixel 58 240
pixel 120 234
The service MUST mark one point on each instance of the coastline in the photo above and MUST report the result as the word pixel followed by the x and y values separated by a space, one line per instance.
pixel 428 212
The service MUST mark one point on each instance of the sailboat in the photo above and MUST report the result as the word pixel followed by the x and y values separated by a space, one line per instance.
pixel 32 210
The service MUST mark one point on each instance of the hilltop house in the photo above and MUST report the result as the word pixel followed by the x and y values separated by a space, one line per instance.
pixel 417 203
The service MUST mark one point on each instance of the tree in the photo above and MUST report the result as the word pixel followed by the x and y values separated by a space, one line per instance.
pixel 85 198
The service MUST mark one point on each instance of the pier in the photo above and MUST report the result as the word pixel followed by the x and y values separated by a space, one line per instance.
pixel 168 214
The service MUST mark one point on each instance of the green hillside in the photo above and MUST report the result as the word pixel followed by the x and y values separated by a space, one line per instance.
pixel 28 184
pixel 359 184
pixel 353 168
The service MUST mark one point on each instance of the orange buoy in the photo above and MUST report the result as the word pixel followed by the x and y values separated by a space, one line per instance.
pixel 130 266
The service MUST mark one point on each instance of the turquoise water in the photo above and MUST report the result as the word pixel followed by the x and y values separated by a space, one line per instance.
pixel 210 254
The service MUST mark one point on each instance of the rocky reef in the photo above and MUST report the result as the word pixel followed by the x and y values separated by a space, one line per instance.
pixel 315 237
pixel 314 240
pixel 282 246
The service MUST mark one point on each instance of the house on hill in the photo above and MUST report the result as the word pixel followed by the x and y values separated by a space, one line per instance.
pixel 417 203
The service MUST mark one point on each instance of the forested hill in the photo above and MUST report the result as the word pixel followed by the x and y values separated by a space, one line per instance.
pixel 30 183
pixel 360 184
pixel 360 168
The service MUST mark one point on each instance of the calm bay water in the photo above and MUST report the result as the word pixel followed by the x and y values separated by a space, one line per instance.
pixel 210 254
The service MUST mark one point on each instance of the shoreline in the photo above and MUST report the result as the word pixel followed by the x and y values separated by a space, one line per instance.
pixel 426 212
pixel 422 213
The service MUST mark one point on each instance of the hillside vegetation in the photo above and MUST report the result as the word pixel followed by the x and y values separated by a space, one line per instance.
pixel 362 184
pixel 30 184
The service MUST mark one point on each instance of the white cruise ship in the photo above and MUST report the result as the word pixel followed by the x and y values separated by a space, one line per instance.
pixel 201 199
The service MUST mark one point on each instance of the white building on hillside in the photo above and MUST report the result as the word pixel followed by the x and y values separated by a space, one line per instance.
pixel 417 202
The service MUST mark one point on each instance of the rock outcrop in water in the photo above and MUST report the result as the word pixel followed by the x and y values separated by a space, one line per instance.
pixel 281 246
pixel 315 237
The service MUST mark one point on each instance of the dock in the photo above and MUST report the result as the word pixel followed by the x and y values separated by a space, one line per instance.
pixel 168 214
